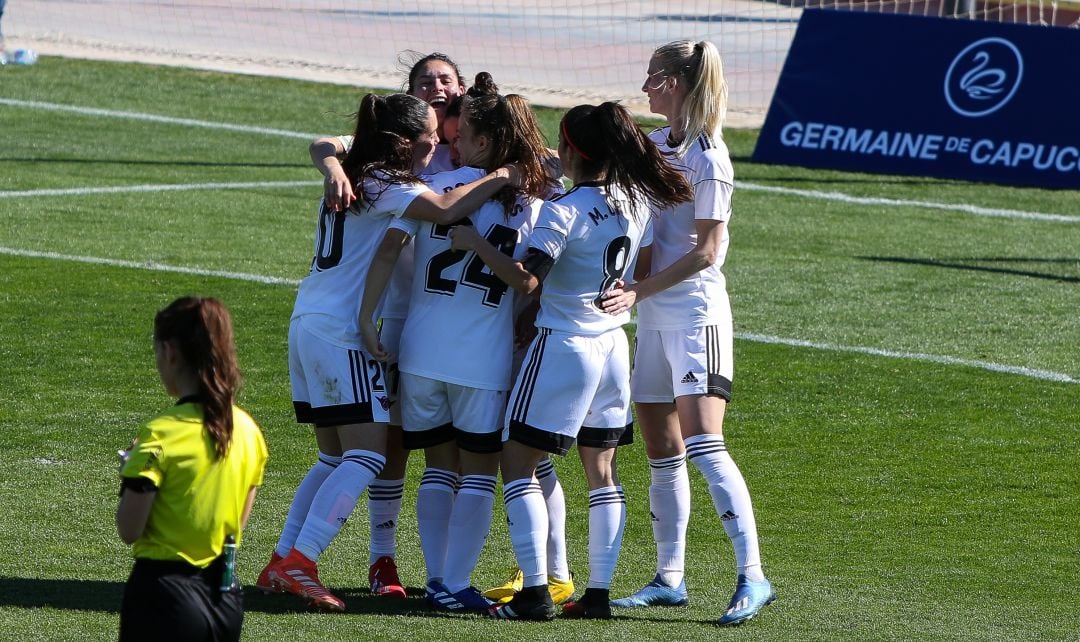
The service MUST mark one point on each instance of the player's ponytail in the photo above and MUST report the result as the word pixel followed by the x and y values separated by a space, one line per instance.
pixel 699 65
pixel 386 128
pixel 611 145
pixel 514 136
pixel 201 330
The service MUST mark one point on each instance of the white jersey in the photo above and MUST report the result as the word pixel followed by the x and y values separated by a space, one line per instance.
pixel 701 299
pixel 460 325
pixel 594 238
pixel 329 296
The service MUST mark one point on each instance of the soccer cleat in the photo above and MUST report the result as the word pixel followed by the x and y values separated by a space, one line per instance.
pixel 532 603
pixel 594 605
pixel 467 600
pixel 298 575
pixel 561 590
pixel 749 598
pixel 504 592
pixel 383 578
pixel 655 593
pixel 264 583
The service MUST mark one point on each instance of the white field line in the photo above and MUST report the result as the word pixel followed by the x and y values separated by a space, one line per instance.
pixel 124 189
pixel 154 118
pixel 151 265
pixel 745 336
pixel 752 187
pixel 893 202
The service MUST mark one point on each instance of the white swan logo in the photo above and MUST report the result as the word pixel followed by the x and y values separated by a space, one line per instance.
pixel 983 77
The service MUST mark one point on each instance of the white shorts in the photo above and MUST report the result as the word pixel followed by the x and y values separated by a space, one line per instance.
pixel 331 385
pixel 390 338
pixel 435 412
pixel 571 388
pixel 677 363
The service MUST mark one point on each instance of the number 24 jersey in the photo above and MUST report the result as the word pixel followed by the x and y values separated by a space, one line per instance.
pixel 460 323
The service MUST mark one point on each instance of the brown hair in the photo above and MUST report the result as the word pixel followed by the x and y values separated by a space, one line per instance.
pixel 515 136
pixel 201 330
pixel 611 144
pixel 386 128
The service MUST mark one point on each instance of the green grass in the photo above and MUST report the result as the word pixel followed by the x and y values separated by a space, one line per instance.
pixel 896 498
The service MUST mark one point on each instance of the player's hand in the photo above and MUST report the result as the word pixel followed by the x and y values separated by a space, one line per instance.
pixel 513 174
pixel 337 189
pixel 370 334
pixel 618 299
pixel 464 237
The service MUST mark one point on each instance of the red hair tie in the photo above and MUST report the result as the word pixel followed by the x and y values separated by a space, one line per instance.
pixel 566 137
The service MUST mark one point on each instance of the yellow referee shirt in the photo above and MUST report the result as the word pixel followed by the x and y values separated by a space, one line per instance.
pixel 200 499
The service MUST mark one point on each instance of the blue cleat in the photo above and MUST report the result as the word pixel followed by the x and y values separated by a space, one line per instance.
pixel 467 600
pixel 655 593
pixel 750 597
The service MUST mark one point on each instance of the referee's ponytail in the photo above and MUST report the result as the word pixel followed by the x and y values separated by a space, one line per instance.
pixel 201 330
pixel 613 148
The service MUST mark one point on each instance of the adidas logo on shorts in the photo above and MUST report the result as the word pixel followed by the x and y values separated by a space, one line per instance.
pixel 728 516
pixel 386 524
pixel 689 378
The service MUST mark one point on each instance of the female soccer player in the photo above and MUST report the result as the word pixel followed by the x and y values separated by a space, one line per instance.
pixel 457 345
pixel 188 483
pixel 336 385
pixel 437 80
pixel 575 381
pixel 683 361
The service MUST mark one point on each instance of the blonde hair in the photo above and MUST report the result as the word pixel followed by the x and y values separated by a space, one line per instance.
pixel 699 64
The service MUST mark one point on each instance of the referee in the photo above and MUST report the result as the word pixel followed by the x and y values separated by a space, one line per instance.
pixel 188 483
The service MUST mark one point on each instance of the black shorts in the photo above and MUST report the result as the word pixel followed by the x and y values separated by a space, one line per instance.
pixel 178 601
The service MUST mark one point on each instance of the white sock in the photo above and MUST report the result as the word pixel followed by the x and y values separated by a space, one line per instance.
pixel 470 522
pixel 731 499
pixel 607 518
pixel 434 502
pixel 527 517
pixel 384 509
pixel 336 499
pixel 558 567
pixel 669 504
pixel 301 501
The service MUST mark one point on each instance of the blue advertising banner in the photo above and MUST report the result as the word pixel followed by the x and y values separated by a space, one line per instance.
pixel 928 97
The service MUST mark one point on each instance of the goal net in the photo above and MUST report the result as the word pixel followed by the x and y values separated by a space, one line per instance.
pixel 555 52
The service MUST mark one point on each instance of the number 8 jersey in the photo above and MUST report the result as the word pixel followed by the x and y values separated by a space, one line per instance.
pixel 594 237
pixel 460 324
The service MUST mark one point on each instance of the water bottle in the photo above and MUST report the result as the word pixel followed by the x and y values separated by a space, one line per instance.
pixel 18 57
pixel 228 574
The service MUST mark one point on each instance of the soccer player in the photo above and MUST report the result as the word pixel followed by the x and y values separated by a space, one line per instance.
pixel 683 360
pixel 435 79
pixel 457 345
pixel 188 482
pixel 336 385
pixel 574 385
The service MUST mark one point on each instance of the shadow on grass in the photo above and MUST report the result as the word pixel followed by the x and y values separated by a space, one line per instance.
pixel 969 263
pixel 106 596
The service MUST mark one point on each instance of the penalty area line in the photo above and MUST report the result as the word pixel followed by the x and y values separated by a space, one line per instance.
pixel 154 118
pixel 1032 373
pixel 167 187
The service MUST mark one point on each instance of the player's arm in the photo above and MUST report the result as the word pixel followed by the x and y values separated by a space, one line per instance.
pixel 326 154
pixel 709 232
pixel 136 500
pixel 249 503
pixel 525 276
pixel 378 277
pixel 452 206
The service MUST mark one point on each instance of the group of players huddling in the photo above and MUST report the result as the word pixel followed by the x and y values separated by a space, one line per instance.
pixel 461 303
